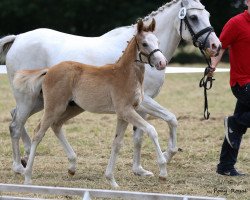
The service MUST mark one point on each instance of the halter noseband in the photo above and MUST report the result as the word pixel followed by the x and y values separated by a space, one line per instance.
pixel 196 36
pixel 148 56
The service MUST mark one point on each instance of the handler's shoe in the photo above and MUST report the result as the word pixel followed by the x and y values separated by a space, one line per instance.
pixel 232 138
pixel 231 172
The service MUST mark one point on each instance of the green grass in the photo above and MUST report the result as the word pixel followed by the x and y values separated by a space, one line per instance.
pixel 191 171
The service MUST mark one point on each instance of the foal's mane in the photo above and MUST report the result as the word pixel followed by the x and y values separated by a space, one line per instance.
pixel 128 52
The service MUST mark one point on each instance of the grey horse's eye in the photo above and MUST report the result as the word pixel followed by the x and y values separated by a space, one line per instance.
pixel 144 44
pixel 194 18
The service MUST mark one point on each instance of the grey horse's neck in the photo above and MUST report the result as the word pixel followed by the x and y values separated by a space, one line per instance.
pixel 166 28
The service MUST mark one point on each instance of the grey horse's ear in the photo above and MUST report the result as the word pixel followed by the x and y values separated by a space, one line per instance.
pixel 140 26
pixel 151 27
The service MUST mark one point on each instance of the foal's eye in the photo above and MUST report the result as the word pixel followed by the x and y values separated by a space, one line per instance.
pixel 144 44
pixel 194 18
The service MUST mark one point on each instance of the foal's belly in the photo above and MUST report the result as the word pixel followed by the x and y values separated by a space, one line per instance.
pixel 100 109
pixel 95 103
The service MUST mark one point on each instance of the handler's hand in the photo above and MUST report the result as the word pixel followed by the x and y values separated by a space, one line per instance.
pixel 211 71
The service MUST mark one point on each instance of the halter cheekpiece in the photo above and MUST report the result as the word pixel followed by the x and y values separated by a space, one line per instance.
pixel 195 36
pixel 148 56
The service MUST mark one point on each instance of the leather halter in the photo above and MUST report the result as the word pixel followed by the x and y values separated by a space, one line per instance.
pixel 148 56
pixel 196 36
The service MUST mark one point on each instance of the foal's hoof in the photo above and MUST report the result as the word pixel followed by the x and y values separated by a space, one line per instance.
pixel 163 175
pixel 70 172
pixel 112 183
pixel 162 178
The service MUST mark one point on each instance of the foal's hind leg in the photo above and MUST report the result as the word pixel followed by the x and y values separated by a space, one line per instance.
pixel 66 147
pixel 70 112
pixel 38 136
pixel 49 117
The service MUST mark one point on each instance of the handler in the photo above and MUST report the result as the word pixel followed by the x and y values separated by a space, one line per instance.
pixel 236 36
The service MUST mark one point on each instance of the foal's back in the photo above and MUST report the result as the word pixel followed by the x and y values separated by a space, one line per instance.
pixel 95 89
pixel 87 86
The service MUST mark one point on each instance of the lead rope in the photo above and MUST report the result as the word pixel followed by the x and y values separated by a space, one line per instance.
pixel 207 83
pixel 207 80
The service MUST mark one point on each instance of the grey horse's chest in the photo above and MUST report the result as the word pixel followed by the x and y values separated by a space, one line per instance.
pixel 153 81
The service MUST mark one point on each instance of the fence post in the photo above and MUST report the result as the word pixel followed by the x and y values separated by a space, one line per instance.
pixel 86 196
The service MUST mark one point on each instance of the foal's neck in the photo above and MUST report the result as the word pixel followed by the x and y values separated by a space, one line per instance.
pixel 129 55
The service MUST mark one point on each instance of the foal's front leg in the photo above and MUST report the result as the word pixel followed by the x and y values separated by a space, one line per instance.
pixel 137 138
pixel 134 118
pixel 116 146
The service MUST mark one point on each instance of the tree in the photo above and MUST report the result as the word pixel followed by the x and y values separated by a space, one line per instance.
pixel 221 11
pixel 83 17
pixel 93 17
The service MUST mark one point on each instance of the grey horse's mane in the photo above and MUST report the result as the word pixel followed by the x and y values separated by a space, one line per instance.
pixel 162 8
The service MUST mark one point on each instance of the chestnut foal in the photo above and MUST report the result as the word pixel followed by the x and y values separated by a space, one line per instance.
pixel 114 88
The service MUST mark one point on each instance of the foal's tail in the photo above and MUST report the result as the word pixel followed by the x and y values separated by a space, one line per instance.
pixel 29 81
pixel 5 44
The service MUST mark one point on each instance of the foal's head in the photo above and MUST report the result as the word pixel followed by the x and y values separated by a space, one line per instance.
pixel 148 46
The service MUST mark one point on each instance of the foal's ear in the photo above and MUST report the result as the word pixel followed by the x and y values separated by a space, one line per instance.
pixel 151 27
pixel 140 26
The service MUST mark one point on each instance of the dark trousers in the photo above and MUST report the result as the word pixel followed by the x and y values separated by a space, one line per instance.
pixel 238 123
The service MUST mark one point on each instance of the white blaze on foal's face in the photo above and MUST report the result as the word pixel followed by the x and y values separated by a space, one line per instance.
pixel 149 43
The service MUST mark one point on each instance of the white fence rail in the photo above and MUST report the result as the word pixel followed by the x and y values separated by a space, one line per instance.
pixel 87 194
pixel 168 69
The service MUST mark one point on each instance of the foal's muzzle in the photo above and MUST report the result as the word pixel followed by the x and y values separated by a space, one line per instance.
pixel 158 66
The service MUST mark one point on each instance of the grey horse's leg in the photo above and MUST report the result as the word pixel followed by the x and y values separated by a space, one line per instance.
pixel 20 115
pixel 26 105
pixel 151 107
pixel 38 106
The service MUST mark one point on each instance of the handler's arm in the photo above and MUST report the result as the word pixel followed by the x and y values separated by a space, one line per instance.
pixel 216 60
